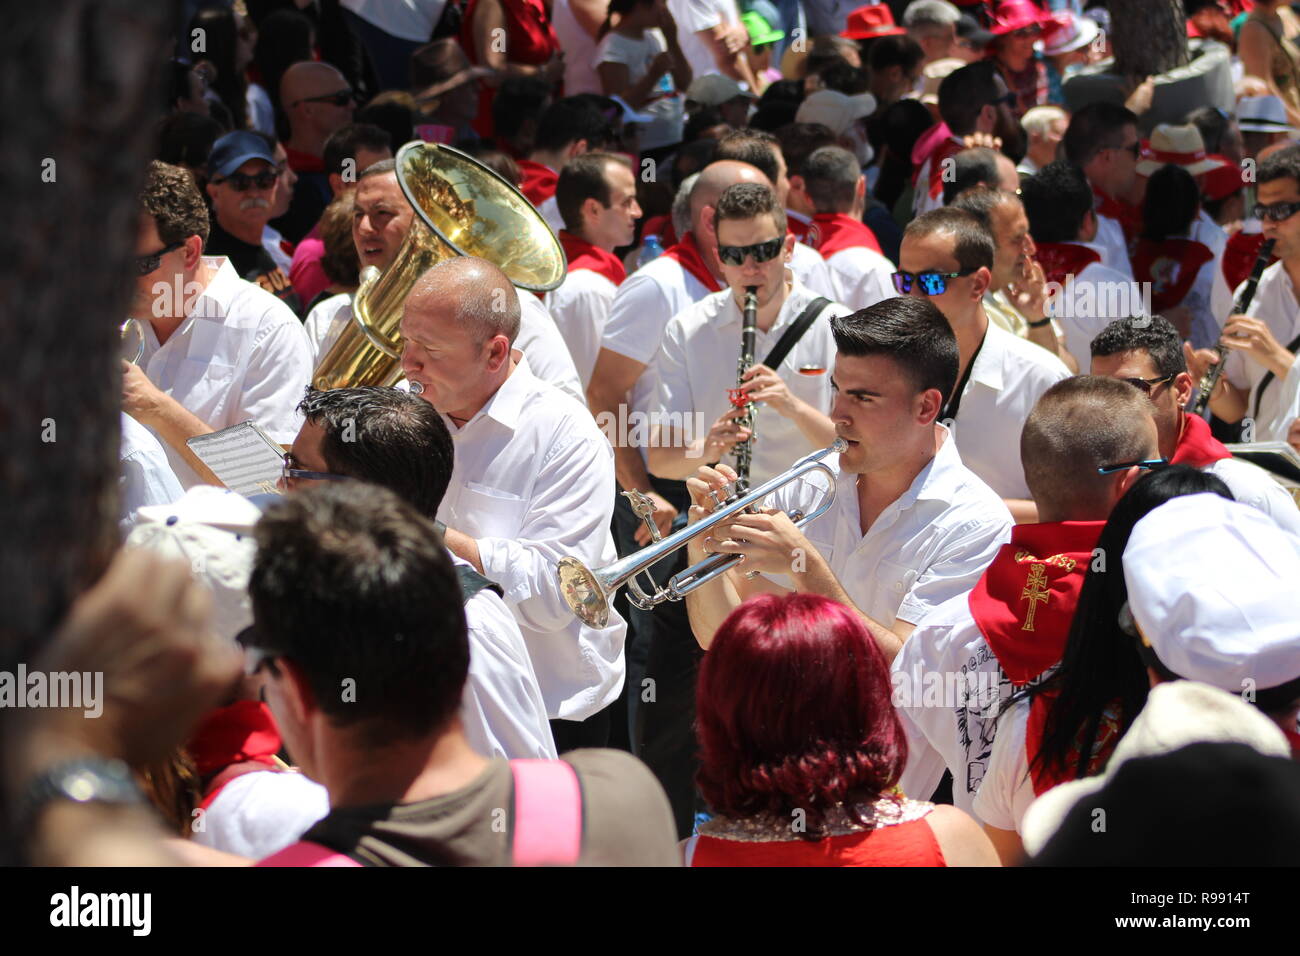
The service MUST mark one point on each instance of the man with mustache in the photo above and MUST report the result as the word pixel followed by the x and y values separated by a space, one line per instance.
pixel 242 178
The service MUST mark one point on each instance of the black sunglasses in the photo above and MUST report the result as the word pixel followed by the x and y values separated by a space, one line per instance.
pixel 931 283
pixel 1277 212
pixel 1154 464
pixel 242 182
pixel 761 251
pixel 1149 385
pixel 150 261
pixel 341 98
pixel 288 472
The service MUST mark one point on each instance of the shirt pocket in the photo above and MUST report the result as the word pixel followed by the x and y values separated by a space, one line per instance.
pixel 485 512
pixel 203 387
pixel 894 582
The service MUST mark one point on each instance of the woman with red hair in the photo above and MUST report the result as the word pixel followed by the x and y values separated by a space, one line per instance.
pixel 801 749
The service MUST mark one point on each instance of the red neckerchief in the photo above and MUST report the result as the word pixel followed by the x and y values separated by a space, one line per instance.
pixel 1025 600
pixel 1196 446
pixel 687 255
pixel 1128 215
pixel 1043 778
pixel 241 732
pixel 1239 257
pixel 836 232
pixel 1063 259
pixel 583 255
pixel 800 230
pixel 1293 739
pixel 1171 266
pixel 301 162
pixel 539 181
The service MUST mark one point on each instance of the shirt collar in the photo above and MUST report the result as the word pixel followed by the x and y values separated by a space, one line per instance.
pixel 221 290
pixel 987 368
pixel 937 480
pixel 797 216
pixel 508 401
pixel 730 313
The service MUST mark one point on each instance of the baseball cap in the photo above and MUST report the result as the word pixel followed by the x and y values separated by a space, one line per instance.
pixel 834 110
pixel 714 89
pixel 234 149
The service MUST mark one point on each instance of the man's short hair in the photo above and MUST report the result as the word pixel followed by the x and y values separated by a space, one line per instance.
pixel 1093 128
pixel 1077 426
pixel 387 437
pixel 1057 199
pixel 518 101
pixel 1038 120
pixel 681 212
pixel 911 331
pixel 346 140
pixel 980 201
pixel 799 141
pixel 565 122
pixel 1154 335
pixel 354 586
pixel 584 177
pixel 826 51
pixel 925 13
pixel 973 246
pixel 754 146
pixel 964 93
pixel 378 169
pixel 831 177
pixel 1212 123
pixel 900 50
pixel 748 201
pixel 977 166
pixel 170 196
pixel 1283 164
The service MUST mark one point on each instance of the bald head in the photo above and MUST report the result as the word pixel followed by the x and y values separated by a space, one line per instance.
pixel 471 292
pixel 714 181
pixel 305 89
pixel 307 79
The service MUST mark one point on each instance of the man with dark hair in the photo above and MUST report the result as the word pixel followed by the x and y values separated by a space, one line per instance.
pixel 895 63
pixel 1147 353
pixel 798 141
pixel 837 189
pixel 1265 341
pixel 1085 443
pixel 909 527
pixel 1087 293
pixel 1102 140
pixel 973 99
pixel 352 590
pixel 217 350
pixel 596 197
pixel 980 166
pixel 390 438
pixel 1017 296
pixel 947 257
pixel 568 128
pixel 519 103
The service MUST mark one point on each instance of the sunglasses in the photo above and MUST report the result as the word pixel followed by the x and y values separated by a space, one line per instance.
pixel 1277 212
pixel 930 283
pixel 341 98
pixel 1153 464
pixel 149 262
pixel 761 251
pixel 288 472
pixel 1149 385
pixel 242 182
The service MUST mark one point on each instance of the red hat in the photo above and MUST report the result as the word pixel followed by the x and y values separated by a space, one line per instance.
pixel 869 22
pixel 1222 181
pixel 1013 15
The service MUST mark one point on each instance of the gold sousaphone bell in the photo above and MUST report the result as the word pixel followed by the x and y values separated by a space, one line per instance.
pixel 462 208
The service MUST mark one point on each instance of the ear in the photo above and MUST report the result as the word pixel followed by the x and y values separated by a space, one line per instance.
pixel 577 149
pixel 1127 479
pixel 928 406
pixel 987 119
pixel 498 351
pixel 980 281
pixel 211 191
pixel 1182 385
pixel 336 184
pixel 590 207
pixel 860 190
pixel 787 247
pixel 193 252
pixel 706 226
pixel 296 690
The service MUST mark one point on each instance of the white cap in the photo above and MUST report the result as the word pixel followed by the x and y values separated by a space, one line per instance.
pixel 834 110
pixel 1212 586
pixel 1263 114
pixel 1176 715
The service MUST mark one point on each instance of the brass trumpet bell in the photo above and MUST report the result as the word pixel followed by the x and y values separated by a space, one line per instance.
pixel 462 208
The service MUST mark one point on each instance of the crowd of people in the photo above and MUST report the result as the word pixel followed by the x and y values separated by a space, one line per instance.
pixel 1029 323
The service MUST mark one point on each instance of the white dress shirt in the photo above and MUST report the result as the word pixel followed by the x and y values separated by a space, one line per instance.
pixel 260 813
pixel 326 322
pixel 929 545
pixel 1276 306
pixel 240 354
pixel 1288 403
pixel 540 340
pixel 810 268
pixel 580 308
pixel 144 474
pixel 697 364
pixel 1006 379
pixel 534 482
pixel 502 707
pixel 1112 245
pixel 860 277
pixel 1252 485
pixel 550 210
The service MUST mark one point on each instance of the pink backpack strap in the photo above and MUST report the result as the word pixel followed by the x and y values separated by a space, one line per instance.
pixel 306 853
pixel 548 813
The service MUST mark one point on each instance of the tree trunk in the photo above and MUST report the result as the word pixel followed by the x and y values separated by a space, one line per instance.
pixel 1148 37
pixel 79 99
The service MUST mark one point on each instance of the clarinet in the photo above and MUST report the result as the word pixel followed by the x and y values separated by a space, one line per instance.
pixel 1210 381
pixel 744 451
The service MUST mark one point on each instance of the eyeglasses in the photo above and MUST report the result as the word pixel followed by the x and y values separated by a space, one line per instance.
pixel 242 182
pixel 150 261
pixel 931 283
pixel 761 251
pixel 1277 212
pixel 1007 99
pixel 1153 464
pixel 1149 385
pixel 289 472
pixel 341 98
pixel 255 658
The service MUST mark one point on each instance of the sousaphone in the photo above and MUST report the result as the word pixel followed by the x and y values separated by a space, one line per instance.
pixel 462 208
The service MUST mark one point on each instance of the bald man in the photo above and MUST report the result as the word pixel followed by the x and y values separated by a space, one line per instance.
pixel 532 483
pixel 318 100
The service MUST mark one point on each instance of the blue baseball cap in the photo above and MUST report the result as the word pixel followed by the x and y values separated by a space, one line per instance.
pixel 234 149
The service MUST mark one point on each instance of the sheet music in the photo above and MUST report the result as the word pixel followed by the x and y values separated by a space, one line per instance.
pixel 243 456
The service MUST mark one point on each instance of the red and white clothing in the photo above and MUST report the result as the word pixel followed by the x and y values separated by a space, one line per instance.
pixel 1092 294
pixel 580 306
pixel 529 39
pixel 811 269
pixel 860 274
pixel 968 656
pixel 934 147
pixel 1240 252
pixel 538 186
pixel 1180 272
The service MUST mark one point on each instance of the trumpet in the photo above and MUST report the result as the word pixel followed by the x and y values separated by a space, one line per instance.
pixel 589 593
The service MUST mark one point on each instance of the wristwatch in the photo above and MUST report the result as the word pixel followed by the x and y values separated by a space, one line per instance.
pixel 84 780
